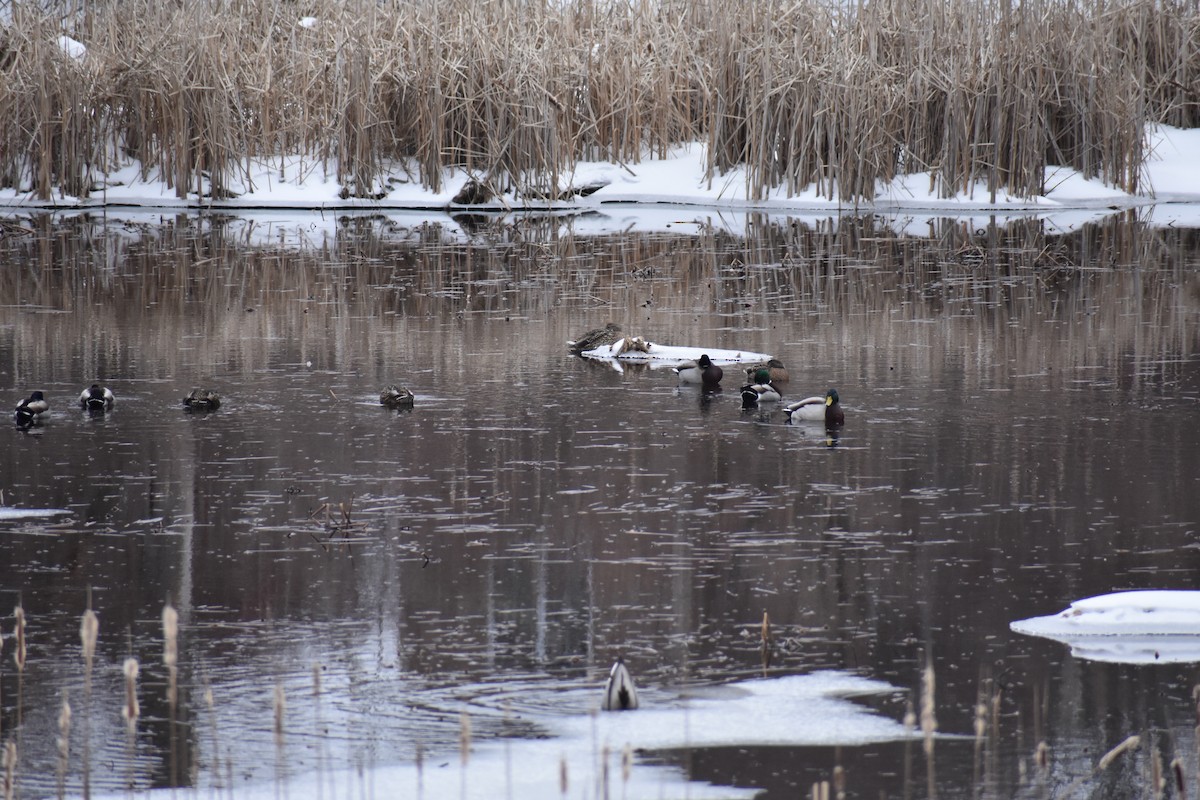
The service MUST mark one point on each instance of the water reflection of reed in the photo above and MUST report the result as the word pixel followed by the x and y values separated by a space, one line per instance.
pixel 202 294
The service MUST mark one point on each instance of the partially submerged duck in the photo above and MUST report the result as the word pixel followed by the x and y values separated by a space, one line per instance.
pixel 202 400
pixel 96 398
pixel 619 692
pixel 30 411
pixel 775 368
pixel 599 337
pixel 394 396
pixel 701 371
pixel 825 409
pixel 760 390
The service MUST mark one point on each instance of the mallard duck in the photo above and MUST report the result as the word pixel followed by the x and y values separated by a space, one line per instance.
pixel 778 371
pixel 760 390
pixel 96 398
pixel 619 692
pixel 394 396
pixel 825 409
pixel 30 411
pixel 202 400
pixel 701 371
pixel 609 334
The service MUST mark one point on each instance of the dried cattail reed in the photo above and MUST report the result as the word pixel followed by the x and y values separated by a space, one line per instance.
pixel 563 783
pixel 1180 782
pixel 928 728
pixel 10 769
pixel 279 706
pixel 464 738
pixel 131 709
pixel 89 632
pixel 64 744
pixel 20 653
pixel 1131 743
pixel 839 782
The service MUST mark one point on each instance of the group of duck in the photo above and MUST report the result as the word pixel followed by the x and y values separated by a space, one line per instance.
pixel 762 386
pixel 97 399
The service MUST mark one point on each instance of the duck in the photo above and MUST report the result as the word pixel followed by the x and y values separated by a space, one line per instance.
pixel 701 371
pixel 599 337
pixel 778 371
pixel 96 398
pixel 202 400
pixel 394 396
pixel 825 409
pixel 30 411
pixel 619 692
pixel 760 390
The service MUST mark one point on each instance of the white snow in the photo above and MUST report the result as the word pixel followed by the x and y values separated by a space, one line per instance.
pixel 30 513
pixel 1171 176
pixel 1150 626
pixel 673 354
pixel 72 47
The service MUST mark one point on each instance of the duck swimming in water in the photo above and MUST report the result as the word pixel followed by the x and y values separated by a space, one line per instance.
pixel 29 411
pixel 96 398
pixel 619 692
pixel 202 400
pixel 774 366
pixel 394 396
pixel 701 371
pixel 760 390
pixel 825 409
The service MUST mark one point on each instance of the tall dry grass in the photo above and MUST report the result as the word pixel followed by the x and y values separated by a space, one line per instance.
pixel 799 93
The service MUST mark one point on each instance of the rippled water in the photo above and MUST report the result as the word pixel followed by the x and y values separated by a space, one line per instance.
pixel 1022 429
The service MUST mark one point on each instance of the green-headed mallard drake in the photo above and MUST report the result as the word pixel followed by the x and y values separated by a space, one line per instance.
pixel 778 371
pixel 202 400
pixel 825 409
pixel 760 390
pixel 609 334
pixel 394 396
pixel 96 398
pixel 701 371
pixel 29 412
pixel 619 692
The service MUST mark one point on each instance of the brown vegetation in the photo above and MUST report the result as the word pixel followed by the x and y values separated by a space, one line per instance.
pixel 840 95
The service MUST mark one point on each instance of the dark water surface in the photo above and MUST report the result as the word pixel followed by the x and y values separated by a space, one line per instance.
pixel 1023 430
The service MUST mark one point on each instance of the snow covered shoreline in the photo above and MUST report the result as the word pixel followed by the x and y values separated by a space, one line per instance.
pixel 1172 176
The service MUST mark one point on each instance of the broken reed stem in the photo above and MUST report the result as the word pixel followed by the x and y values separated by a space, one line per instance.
pixel 464 748
pixel 928 727
pixel 170 623
pixel 89 630
pixel 10 769
pixel 564 783
pixel 19 659
pixel 64 745
pixel 279 705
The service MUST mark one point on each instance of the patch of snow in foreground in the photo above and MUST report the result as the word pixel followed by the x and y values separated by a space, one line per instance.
pixel 7 514
pixel 1142 627
pixel 796 710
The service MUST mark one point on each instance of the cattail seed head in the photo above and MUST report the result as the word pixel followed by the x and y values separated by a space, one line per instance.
pixel 280 705
pixel 131 710
pixel 170 623
pixel 19 655
pixel 464 737
pixel 89 629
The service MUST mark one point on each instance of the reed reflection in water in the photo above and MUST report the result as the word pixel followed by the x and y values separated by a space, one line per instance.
pixel 1021 430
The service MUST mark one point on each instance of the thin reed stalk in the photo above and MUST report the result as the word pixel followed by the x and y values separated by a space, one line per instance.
pixel 64 745
pixel 170 623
